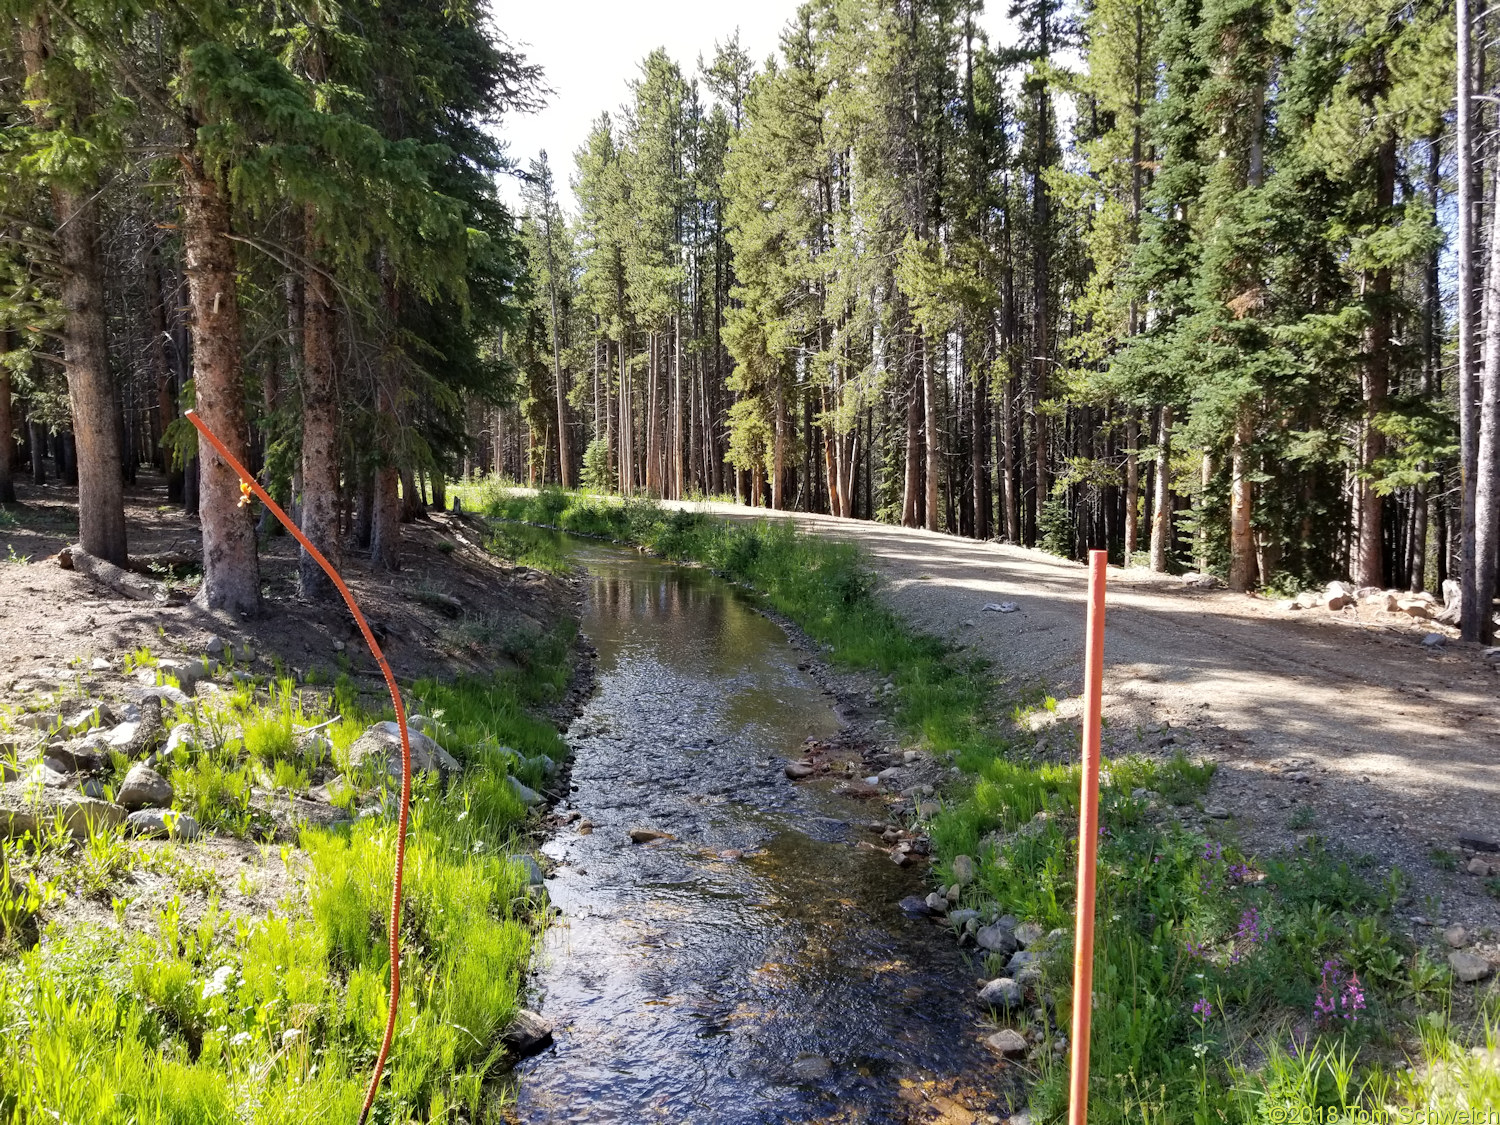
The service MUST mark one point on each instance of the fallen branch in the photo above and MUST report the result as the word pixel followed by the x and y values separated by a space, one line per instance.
pixel 119 580
pixel 152 565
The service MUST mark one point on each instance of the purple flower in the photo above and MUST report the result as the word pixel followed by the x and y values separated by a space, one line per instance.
pixel 1203 1009
pixel 1339 997
pixel 1248 936
pixel 1196 949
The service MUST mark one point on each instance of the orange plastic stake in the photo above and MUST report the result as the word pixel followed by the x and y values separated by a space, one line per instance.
pixel 1088 843
pixel 249 484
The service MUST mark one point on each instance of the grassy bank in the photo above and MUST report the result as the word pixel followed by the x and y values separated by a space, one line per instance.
pixel 201 1011
pixel 1229 987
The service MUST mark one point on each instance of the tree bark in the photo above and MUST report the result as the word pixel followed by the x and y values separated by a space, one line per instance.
pixel 564 463
pixel 930 433
pixel 91 391
pixel 231 572
pixel 320 472
pixel 1132 486
pixel 1161 512
pixel 1471 622
pixel 1241 538
pixel 385 516
pixel 38 453
pixel 911 498
pixel 1369 569
pixel 1487 473
pixel 7 428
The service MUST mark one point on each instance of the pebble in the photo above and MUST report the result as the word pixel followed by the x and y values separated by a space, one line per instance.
pixel 144 788
pixel 1028 934
pixel 1469 967
pixel 528 795
pixel 812 1068
pixel 799 770
pixel 915 905
pixel 1478 866
pixel 646 835
pixel 963 870
pixel 1021 960
pixel 937 903
pixel 121 736
pixel 162 822
pixel 527 1033
pixel 997 938
pixel 1456 936
pixel 961 918
pixel 1434 640
pixel 1007 1042
pixel 533 869
pixel 1216 812
pixel 1002 993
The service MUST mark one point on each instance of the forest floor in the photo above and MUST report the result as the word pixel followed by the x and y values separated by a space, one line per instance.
pixel 1341 725
pixel 441 615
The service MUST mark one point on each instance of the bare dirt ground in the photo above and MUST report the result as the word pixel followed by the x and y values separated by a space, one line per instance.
pixel 448 611
pixel 1340 725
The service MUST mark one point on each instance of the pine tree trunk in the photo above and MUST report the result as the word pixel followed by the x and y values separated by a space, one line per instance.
pixel 677 473
pixel 930 433
pixel 91 391
pixel 778 451
pixel 1132 486
pixel 385 515
pixel 1161 512
pixel 979 476
pixel 911 499
pixel 320 471
pixel 653 484
pixel 7 429
pixel 38 453
pixel 231 572
pixel 1471 621
pixel 1487 475
pixel 564 461
pixel 1369 569
pixel 1241 538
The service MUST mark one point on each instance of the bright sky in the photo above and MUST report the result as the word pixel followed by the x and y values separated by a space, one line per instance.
pixel 591 49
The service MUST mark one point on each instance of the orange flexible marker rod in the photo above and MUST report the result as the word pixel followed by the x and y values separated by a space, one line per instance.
pixel 1088 843
pixel 248 485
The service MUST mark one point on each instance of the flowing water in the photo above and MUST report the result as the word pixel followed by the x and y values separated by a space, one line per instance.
pixel 754 967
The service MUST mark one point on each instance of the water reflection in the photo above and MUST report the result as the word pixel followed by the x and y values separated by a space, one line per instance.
pixel 753 967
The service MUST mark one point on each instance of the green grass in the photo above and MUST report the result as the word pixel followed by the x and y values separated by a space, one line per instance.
pixel 1184 919
pixel 278 1019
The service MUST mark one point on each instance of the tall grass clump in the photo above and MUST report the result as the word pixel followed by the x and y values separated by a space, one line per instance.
pixel 1228 988
pixel 276 1019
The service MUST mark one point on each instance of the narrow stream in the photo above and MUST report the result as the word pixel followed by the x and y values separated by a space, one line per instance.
pixel 754 967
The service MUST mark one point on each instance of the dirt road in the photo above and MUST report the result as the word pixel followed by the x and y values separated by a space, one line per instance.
pixel 1321 722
